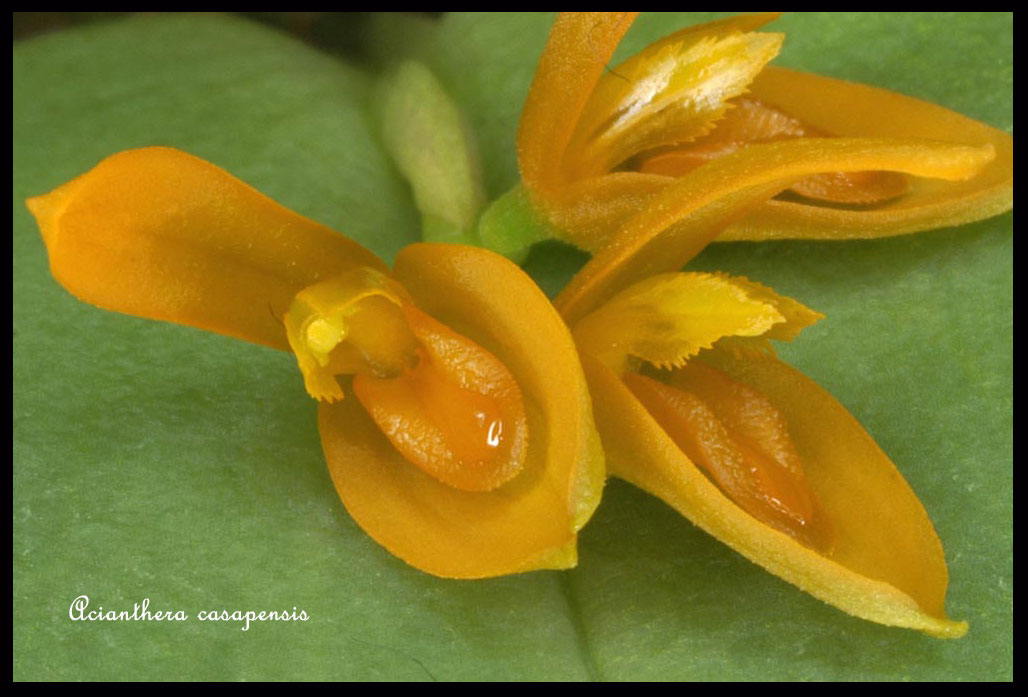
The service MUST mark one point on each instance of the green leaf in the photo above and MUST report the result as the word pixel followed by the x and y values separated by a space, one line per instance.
pixel 155 461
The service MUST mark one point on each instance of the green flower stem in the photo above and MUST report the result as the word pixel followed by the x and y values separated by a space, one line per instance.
pixel 512 224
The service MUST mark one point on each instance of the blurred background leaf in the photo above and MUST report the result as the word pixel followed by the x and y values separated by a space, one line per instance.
pixel 157 461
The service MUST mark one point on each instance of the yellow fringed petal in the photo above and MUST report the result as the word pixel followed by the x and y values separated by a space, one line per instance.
pixel 688 214
pixel 667 319
pixel 162 234
pixel 796 316
pixel 686 69
pixel 669 93
pixel 719 28
pixel 886 563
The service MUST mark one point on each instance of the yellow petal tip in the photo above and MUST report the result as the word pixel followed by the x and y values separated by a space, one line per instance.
pixel 951 630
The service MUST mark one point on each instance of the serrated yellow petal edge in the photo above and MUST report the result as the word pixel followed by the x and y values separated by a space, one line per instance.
pixel 667 319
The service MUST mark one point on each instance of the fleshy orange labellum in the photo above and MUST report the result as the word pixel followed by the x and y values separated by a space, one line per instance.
pixel 457 414
pixel 739 439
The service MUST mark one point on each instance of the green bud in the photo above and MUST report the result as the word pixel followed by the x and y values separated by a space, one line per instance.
pixel 426 135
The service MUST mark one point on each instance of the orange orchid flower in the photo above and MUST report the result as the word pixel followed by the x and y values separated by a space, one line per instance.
pixel 597 142
pixel 456 424
pixel 693 407
pixel 692 140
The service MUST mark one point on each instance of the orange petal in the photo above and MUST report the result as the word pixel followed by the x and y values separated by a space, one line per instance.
pixel 689 213
pixel 849 109
pixel 886 563
pixel 578 49
pixel 588 212
pixel 158 233
pixel 846 188
pixel 750 121
pixel 531 521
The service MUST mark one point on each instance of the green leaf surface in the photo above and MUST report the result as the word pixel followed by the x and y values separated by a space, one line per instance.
pixel 156 461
